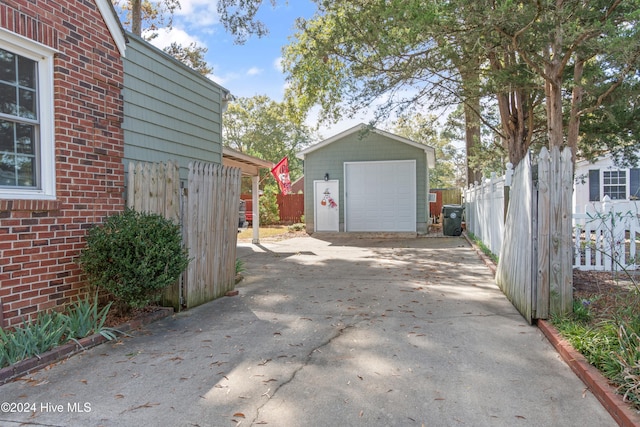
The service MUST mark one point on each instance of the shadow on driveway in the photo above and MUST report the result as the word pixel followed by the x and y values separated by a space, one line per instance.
pixel 326 332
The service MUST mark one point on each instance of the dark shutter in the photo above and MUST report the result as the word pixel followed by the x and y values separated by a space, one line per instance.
pixel 634 184
pixel 594 185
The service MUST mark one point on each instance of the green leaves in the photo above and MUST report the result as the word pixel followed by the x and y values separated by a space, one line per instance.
pixel 85 319
pixel 134 256
pixel 50 329
pixel 32 338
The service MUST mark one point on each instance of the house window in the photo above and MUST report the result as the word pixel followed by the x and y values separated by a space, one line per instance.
pixel 614 184
pixel 27 166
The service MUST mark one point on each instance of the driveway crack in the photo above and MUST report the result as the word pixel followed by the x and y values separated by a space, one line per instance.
pixel 307 359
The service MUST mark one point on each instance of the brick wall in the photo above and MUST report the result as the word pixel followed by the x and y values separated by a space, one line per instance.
pixel 39 240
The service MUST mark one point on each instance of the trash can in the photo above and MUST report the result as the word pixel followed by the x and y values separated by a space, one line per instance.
pixel 452 220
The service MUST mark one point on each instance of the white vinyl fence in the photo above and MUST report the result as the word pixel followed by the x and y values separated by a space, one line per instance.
pixel 485 209
pixel 607 237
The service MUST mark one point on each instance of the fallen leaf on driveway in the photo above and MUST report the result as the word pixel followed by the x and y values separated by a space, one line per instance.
pixel 146 405
pixel 239 415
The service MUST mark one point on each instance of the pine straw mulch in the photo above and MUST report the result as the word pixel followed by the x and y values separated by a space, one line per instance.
pixel 607 292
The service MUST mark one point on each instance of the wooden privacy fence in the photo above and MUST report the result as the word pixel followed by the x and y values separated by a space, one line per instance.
pixel 534 238
pixel 443 196
pixel 607 240
pixel 207 210
pixel 291 208
pixel 535 268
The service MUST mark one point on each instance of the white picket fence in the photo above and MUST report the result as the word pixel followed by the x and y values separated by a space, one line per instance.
pixel 607 237
pixel 601 242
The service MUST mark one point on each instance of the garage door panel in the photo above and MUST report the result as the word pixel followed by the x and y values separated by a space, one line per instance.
pixel 380 196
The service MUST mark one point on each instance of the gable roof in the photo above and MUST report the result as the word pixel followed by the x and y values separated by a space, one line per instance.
pixel 113 24
pixel 430 151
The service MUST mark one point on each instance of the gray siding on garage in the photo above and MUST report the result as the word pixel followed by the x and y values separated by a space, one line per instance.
pixel 353 148
pixel 170 111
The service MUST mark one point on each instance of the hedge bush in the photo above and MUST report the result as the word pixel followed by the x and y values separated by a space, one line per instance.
pixel 134 256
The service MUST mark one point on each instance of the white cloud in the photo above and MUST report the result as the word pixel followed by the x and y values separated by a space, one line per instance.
pixel 199 13
pixel 277 64
pixel 254 71
pixel 178 35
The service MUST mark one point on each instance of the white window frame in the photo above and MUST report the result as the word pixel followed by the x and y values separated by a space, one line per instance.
pixel 625 183
pixel 44 56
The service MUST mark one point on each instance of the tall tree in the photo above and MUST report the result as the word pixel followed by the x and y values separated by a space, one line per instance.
pixel 261 127
pixel 192 56
pixel 530 54
pixel 144 17
pixel 424 129
pixel 524 55
pixel 239 17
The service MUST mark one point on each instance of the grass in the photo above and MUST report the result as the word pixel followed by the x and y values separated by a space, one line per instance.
pixel 267 231
pixel 605 328
pixel 485 250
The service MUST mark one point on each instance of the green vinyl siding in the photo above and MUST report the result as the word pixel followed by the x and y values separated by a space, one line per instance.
pixel 368 148
pixel 170 111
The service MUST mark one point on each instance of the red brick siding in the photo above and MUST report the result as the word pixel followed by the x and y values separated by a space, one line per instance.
pixel 39 240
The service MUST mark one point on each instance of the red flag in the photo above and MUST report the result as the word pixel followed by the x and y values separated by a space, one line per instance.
pixel 281 173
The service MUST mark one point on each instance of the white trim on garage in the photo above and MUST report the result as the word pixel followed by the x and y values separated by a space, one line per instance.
pixel 380 196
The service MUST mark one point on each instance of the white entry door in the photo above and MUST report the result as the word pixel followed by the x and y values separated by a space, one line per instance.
pixel 380 196
pixel 325 205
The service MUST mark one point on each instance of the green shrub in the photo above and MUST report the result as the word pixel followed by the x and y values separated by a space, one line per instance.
pixel 297 227
pixel 269 211
pixel 629 358
pixel 134 256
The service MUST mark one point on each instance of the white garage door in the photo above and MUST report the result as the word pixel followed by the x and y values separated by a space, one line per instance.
pixel 380 196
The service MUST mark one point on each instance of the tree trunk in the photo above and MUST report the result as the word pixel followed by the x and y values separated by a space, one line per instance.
pixel 136 17
pixel 514 110
pixel 472 136
pixel 574 117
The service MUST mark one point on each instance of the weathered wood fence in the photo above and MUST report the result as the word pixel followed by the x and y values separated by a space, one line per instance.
pixel 207 210
pixel 535 268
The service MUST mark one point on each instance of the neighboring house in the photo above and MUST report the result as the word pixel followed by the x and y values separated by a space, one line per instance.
pixel 297 186
pixel 171 112
pixel 367 181
pixel 602 178
pixel 61 144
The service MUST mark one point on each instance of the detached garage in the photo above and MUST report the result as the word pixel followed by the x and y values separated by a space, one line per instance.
pixel 367 180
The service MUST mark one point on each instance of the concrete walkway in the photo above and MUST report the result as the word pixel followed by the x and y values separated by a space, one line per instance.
pixel 326 332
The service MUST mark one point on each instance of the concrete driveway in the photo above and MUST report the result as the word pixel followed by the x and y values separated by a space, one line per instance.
pixel 326 332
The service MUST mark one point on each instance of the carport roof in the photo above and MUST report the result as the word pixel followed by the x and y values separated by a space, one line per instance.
pixel 430 151
pixel 248 164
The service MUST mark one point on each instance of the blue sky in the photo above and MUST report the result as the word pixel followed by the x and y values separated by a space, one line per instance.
pixel 252 68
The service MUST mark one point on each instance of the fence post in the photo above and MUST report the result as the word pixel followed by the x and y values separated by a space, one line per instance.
pixel 542 243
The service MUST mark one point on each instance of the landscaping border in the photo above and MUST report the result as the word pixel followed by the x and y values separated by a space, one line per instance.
pixel 606 394
pixel 69 349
